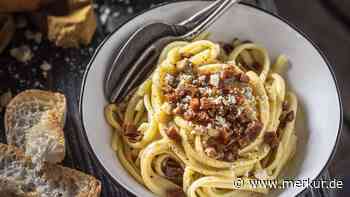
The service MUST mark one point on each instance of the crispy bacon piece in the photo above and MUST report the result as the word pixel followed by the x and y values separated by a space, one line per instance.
pixel 203 117
pixel 286 118
pixel 172 133
pixel 195 104
pixel 244 116
pixel 211 152
pixel 172 169
pixel 134 137
pixel 178 110
pixel 189 115
pixel 239 99
pixel 271 139
pixel 131 132
pixel 130 128
pixel 230 118
pixel 171 97
pixel 224 135
pixel 191 90
pixel 227 90
pixel 243 78
pixel 250 133
pixel 206 104
pixel 227 73
pixel 175 193
pixel 244 141
pixel 253 129
pixel 173 172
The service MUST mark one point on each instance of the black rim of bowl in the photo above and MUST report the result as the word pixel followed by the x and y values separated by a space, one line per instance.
pixel 323 55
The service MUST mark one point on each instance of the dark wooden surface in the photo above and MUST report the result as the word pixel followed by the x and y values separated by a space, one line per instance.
pixel 68 66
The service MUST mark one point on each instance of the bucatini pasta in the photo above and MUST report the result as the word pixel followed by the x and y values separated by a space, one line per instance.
pixel 209 114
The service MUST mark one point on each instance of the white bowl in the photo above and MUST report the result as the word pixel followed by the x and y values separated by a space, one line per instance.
pixel 310 76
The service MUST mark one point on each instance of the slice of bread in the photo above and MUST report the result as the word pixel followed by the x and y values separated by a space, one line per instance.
pixel 19 176
pixel 14 188
pixel 34 121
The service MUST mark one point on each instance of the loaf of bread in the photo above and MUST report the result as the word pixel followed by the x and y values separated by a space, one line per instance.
pixel 73 29
pixel 67 23
pixel 34 121
pixel 19 176
pixel 7 6
pixel 19 5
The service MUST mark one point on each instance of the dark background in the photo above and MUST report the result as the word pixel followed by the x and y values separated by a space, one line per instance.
pixel 327 22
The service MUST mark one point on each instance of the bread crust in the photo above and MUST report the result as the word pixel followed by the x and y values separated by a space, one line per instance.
pixel 19 5
pixel 49 121
pixel 55 177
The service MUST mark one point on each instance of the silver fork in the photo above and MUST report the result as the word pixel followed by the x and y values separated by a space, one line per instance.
pixel 122 78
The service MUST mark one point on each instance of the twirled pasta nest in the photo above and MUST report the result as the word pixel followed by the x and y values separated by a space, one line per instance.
pixel 208 115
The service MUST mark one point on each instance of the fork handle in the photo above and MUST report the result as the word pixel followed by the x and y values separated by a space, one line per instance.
pixel 201 15
pixel 211 18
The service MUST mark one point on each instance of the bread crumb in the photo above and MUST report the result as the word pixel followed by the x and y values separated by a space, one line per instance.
pixel 115 14
pixel 5 99
pixel 104 15
pixel 130 10
pixel 22 53
pixel 44 74
pixel 45 66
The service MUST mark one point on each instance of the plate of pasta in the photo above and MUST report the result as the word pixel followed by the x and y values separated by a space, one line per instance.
pixel 238 111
